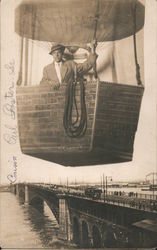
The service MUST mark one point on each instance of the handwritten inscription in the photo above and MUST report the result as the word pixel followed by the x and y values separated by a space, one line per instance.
pixel 11 135
pixel 9 109
pixel 9 106
pixel 10 67
pixel 13 176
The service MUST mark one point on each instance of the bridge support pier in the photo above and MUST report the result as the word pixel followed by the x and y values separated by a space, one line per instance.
pixel 64 219
pixel 86 239
pixel 26 195
pixel 17 190
pixel 90 236
pixel 13 189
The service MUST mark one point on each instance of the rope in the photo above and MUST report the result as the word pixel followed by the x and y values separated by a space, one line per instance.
pixel 76 128
pixel 19 81
pixel 94 38
pixel 138 76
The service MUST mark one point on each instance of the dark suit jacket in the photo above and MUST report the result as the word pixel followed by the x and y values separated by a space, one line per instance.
pixel 67 71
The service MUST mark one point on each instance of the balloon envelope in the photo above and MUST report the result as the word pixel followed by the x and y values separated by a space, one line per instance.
pixel 73 21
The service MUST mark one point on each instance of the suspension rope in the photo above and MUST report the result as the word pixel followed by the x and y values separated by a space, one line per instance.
pixel 94 38
pixel 19 81
pixel 138 76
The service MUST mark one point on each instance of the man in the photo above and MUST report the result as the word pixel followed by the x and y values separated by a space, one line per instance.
pixel 61 71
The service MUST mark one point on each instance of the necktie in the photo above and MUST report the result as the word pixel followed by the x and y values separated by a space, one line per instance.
pixel 58 71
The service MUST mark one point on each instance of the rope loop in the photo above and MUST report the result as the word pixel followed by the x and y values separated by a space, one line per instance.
pixel 75 118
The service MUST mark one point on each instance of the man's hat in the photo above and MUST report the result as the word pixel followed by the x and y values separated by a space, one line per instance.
pixel 57 47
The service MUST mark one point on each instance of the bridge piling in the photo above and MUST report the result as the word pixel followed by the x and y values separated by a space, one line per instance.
pixel 64 219
pixel 86 235
pixel 26 195
pixel 90 235
pixel 12 189
pixel 17 190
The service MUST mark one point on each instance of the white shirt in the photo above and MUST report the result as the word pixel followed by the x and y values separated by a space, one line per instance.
pixel 58 70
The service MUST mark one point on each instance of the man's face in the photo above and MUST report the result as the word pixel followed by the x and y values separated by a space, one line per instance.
pixel 57 55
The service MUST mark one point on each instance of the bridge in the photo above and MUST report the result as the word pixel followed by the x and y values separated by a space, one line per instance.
pixel 93 221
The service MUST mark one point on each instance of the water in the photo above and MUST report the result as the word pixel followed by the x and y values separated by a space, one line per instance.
pixel 25 227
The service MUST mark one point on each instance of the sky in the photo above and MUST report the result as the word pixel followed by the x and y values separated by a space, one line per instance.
pixel 31 169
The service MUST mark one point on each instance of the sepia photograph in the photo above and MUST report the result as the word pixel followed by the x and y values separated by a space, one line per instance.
pixel 78 124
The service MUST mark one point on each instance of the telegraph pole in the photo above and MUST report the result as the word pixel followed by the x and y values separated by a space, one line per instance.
pixel 102 187
pixel 106 187
pixel 75 182
pixel 103 182
pixel 67 183
pixel 107 183
pixel 153 174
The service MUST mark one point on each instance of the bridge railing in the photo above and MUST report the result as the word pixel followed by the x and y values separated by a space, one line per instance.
pixel 134 194
pixel 133 202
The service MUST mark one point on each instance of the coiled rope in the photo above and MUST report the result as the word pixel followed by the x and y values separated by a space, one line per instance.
pixel 75 127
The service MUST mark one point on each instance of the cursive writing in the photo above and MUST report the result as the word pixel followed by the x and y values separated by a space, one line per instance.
pixel 9 109
pixel 10 67
pixel 11 135
pixel 13 176
pixel 9 106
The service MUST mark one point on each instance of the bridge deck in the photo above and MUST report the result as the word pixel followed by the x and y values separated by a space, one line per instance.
pixel 121 201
